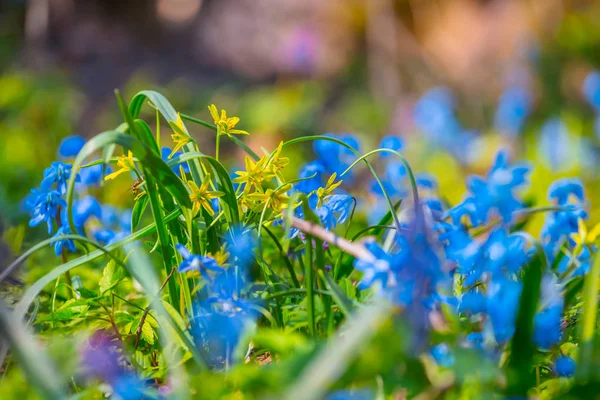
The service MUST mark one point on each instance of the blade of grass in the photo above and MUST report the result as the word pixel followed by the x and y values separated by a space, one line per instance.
pixel 587 325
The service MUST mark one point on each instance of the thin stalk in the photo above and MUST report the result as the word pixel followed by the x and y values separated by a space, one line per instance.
pixel 218 139
pixel 308 282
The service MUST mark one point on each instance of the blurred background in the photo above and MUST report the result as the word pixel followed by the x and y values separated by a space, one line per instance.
pixel 455 79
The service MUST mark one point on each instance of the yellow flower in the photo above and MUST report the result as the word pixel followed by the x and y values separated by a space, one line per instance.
pixel 254 174
pixel 225 125
pixel 278 163
pixel 179 136
pixel 276 199
pixel 583 237
pixel 328 189
pixel 201 196
pixel 126 163
pixel 220 257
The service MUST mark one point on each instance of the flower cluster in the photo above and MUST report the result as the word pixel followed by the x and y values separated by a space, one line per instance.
pixel 224 311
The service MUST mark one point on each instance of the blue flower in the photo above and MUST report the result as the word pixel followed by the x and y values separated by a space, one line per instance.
pixel 546 323
pixel 442 354
pixel 346 394
pixel 565 366
pixel 104 236
pixel 128 386
pixel 194 262
pixel 472 302
pixel 70 146
pixel 335 157
pixel 60 244
pixel 312 174
pixel 513 108
pixel 505 251
pixel 591 89
pixel 561 190
pixel 496 193
pixel 85 208
pixel 240 245
pixel 376 271
pixel 583 262
pixel 434 115
pixel 390 142
pixel 461 248
pixel 92 175
pixel 45 208
pixel 166 151
pixel 426 181
pixel 502 306
pixel 336 209
pixel 556 145
pixel 59 173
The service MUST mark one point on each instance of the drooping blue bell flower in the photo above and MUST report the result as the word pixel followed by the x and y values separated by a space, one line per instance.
pixel 70 146
pixel 390 142
pixel 57 174
pixel 502 306
pixel 45 208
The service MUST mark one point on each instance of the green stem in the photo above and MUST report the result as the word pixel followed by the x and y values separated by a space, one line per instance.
pixel 308 282
pixel 218 139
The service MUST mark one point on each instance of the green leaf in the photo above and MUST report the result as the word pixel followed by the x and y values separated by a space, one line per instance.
pixel 522 348
pixel 339 295
pixel 111 275
pixel 587 325
pixel 138 211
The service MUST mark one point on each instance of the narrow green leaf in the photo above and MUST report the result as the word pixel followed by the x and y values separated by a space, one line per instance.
pixel 138 211
pixel 343 302
pixel 587 325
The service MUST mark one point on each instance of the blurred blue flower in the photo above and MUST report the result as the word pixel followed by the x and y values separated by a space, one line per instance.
pixel 92 175
pixel 335 157
pixel 60 244
pixel 434 115
pixel 591 89
pixel 442 354
pixel 166 151
pixel 426 181
pixel 312 174
pixel 561 189
pixel 336 209
pixel 506 252
pixel 104 236
pixel 390 142
pixel 472 302
pixel 502 306
pixel 496 193
pixel 547 331
pixel 240 244
pixel 513 108
pixel 376 271
pixel 45 208
pixel 85 208
pixel 70 146
pixel 556 145
pixel 129 386
pixel 347 394
pixel 194 262
pixel 58 173
pixel 565 366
